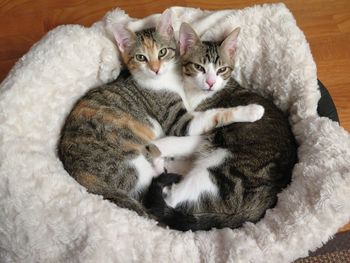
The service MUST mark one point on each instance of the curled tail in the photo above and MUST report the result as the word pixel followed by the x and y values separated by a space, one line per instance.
pixel 180 220
pixel 121 199
pixel 95 185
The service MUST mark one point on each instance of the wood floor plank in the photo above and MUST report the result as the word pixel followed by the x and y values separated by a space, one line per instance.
pixel 343 22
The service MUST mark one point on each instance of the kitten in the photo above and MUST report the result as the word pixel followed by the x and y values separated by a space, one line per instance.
pixel 106 142
pixel 239 168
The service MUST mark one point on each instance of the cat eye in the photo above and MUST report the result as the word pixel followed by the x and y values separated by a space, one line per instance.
pixel 199 67
pixel 221 70
pixel 140 57
pixel 162 52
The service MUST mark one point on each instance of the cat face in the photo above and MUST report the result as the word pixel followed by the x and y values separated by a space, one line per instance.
pixel 149 53
pixel 206 65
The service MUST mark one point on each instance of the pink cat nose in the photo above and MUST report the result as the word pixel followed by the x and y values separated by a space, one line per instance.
pixel 210 82
pixel 154 66
pixel 155 70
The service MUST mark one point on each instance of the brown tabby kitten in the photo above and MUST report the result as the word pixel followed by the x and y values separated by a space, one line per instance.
pixel 106 141
pixel 240 168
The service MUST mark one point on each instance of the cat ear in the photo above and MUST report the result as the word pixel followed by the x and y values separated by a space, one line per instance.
pixel 187 38
pixel 123 36
pixel 229 45
pixel 164 26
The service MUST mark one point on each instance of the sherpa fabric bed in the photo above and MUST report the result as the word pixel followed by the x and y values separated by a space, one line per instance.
pixel 45 216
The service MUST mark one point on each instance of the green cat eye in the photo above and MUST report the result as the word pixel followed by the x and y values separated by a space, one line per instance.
pixel 199 67
pixel 162 52
pixel 221 70
pixel 140 57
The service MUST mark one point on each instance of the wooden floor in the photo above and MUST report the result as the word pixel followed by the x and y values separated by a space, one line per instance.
pixel 326 24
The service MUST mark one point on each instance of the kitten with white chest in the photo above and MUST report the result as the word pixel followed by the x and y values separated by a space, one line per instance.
pixel 205 75
pixel 240 168
pixel 106 141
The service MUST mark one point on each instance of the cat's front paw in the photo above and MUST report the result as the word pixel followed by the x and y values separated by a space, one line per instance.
pixel 159 165
pixel 150 151
pixel 169 196
pixel 251 112
pixel 166 190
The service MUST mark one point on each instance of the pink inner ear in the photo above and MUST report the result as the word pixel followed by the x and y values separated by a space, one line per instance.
pixel 165 25
pixel 187 38
pixel 182 49
pixel 122 36
pixel 230 43
pixel 184 43
pixel 231 48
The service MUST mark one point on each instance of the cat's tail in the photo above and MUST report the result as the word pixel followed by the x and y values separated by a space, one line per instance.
pixel 180 220
pixel 117 196
pixel 121 199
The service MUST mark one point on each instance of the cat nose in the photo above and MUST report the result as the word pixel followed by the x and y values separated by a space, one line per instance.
pixel 210 82
pixel 155 70
pixel 154 67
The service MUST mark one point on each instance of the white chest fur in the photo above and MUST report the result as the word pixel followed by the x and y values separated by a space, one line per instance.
pixel 195 96
pixel 172 81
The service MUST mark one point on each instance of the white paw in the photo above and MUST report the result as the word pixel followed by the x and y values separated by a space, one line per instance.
pixel 166 190
pixel 251 112
pixel 170 201
pixel 169 196
pixel 159 165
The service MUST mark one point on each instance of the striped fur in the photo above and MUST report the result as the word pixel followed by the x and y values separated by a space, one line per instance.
pixel 110 127
pixel 148 44
pixel 206 54
pixel 106 142
pixel 239 168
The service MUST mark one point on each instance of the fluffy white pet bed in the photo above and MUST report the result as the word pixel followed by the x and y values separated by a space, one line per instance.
pixel 45 216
